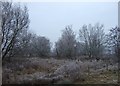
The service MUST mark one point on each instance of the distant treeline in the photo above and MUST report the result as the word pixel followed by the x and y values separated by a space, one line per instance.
pixel 18 41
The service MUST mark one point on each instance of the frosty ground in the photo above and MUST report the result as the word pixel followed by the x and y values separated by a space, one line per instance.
pixel 59 71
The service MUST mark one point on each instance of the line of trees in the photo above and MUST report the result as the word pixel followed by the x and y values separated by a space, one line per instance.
pixel 18 41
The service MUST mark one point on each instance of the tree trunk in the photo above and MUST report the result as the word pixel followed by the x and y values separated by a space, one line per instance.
pixel 0 48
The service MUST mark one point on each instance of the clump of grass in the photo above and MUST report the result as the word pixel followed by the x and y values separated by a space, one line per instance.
pixel 107 77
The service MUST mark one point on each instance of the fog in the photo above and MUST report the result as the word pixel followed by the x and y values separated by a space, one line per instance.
pixel 48 19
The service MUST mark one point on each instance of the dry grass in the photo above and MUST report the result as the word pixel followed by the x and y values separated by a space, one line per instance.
pixel 108 77
pixel 36 70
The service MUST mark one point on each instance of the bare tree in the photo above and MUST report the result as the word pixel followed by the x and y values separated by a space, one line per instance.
pixel 93 38
pixel 114 40
pixel 41 46
pixel 0 31
pixel 66 45
pixel 14 19
pixel 0 46
pixel 23 46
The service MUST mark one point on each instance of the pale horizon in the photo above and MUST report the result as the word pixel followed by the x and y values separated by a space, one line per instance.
pixel 50 18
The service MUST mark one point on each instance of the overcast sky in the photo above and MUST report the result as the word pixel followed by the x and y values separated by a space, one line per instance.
pixel 49 18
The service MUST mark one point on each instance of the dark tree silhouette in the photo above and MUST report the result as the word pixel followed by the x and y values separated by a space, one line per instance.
pixel 14 19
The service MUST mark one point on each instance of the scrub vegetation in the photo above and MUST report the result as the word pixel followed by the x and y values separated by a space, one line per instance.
pixel 89 57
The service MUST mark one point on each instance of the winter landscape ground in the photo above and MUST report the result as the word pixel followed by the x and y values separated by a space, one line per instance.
pixel 42 71
pixel 87 54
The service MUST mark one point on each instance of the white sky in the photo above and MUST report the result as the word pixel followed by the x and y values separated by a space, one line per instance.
pixel 65 0
pixel 49 18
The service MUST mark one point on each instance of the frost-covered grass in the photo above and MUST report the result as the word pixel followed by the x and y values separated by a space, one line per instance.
pixel 108 77
pixel 37 70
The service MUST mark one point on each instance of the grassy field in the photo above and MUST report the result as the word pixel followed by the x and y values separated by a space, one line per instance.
pixel 36 70
pixel 108 77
